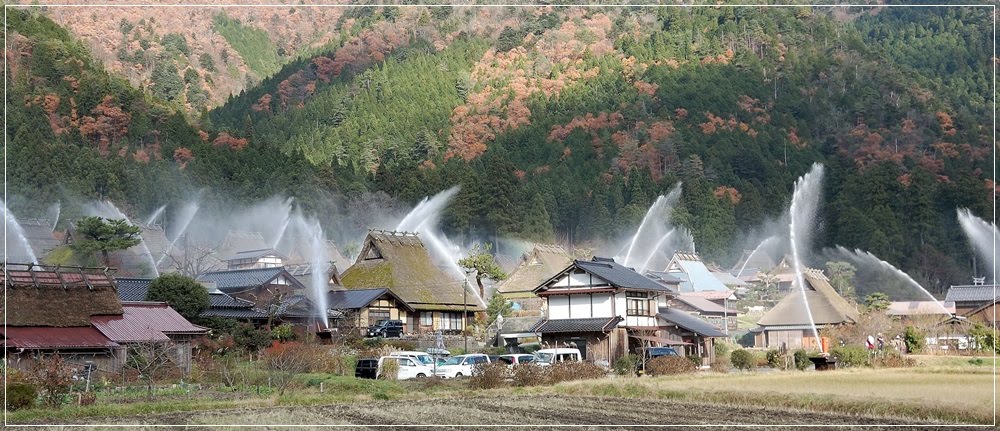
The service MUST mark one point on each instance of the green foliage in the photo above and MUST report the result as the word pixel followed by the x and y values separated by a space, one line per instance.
pixel 743 360
pixel 207 62
pixel 481 261
pixel 627 365
pixel 105 236
pixel 283 332
pixel 983 338
pixel 842 277
pixel 670 365
pixel 775 359
pixel 253 44
pixel 850 356
pixel 20 396
pixel 877 301
pixel 182 293
pixel 914 339
pixel 167 83
pixel 175 42
pixel 801 359
pixel 498 306
pixel 251 339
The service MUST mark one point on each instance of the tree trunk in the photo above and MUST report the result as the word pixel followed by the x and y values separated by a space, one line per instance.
pixel 479 281
pixel 106 257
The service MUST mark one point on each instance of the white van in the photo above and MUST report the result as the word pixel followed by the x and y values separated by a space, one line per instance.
pixel 420 357
pixel 409 368
pixel 548 357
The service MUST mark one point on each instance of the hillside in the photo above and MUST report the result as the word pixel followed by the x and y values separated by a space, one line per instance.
pixel 571 123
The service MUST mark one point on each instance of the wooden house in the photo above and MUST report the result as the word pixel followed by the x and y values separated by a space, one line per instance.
pixel 970 297
pixel 220 304
pixel 788 323
pixel 536 266
pixel 694 275
pixel 400 262
pixel 361 308
pixel 261 286
pixel 707 310
pixel 596 305
pixel 151 322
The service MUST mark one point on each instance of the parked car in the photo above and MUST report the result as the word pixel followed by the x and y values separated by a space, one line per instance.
pixel 460 366
pixel 548 357
pixel 515 359
pixel 409 368
pixel 386 329
pixel 420 357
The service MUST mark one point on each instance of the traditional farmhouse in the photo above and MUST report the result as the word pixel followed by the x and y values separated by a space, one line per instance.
pixel 361 308
pixel 400 262
pixel 693 274
pixel 969 298
pixel 690 335
pixel 788 323
pixel 262 286
pixel 40 235
pixel 596 305
pixel 535 266
pixel 220 303
pixel 296 256
pixel 151 322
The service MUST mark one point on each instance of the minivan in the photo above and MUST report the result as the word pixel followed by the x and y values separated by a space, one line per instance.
pixel 386 329
pixel 548 357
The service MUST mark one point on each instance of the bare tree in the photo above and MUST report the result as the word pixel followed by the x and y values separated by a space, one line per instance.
pixel 194 258
pixel 151 359
pixel 285 361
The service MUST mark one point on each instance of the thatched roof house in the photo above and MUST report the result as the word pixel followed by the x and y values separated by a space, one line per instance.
pixel 57 297
pixel 788 322
pixel 400 262
pixel 535 266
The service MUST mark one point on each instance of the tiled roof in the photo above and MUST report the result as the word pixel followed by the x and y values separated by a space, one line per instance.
pixel 133 289
pixel 144 321
pixel 239 279
pixel 515 325
pixel 359 298
pixel 703 305
pixel 618 275
pixel 56 338
pixel 689 322
pixel 972 293
pixel 235 313
pixel 596 324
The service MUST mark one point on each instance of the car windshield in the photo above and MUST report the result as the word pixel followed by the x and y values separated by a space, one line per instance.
pixel 381 323
pixel 661 351
pixel 526 358
pixel 453 361
pixel 544 357
pixel 425 359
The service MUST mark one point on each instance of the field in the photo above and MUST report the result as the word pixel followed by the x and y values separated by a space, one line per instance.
pixel 938 391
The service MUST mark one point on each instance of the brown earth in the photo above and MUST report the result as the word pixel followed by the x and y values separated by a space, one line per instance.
pixel 543 410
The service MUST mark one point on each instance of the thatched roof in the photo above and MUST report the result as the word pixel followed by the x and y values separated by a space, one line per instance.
pixel 57 297
pixel 399 261
pixel 536 266
pixel 826 305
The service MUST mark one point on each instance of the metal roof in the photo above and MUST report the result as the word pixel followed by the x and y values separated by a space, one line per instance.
pixel 79 337
pixel 972 293
pixel 699 277
pixel 239 279
pixel 704 305
pixel 596 324
pixel 144 321
pixel 689 322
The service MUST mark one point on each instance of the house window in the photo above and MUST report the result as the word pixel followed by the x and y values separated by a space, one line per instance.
pixel 427 319
pixel 451 321
pixel 637 303
pixel 374 315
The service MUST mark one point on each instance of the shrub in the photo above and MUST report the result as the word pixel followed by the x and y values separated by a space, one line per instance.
pixel 669 365
pixel 695 359
pixel 626 365
pixel 719 366
pixel 801 360
pixel 893 360
pixel 53 377
pixel 914 340
pixel 285 360
pixel 21 396
pixel 389 370
pixel 743 360
pixel 721 349
pixel 402 344
pixel 529 375
pixel 775 359
pixel 850 356
pixel 88 399
pixel 489 375
pixel 566 371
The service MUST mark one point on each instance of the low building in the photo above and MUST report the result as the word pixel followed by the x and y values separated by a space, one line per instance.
pixel 920 309
pixel 788 324
pixel 400 262
pixel 535 266
pixel 265 287
pixel 304 273
pixel 151 322
pixel 693 335
pixel 596 305
pixel 361 308
pixel 970 297
pixel 709 311
pixel 220 304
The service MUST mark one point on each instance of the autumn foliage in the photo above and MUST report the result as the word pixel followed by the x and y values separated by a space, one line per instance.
pixel 108 125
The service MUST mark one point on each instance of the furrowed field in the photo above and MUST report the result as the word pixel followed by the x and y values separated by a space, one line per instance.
pixel 939 390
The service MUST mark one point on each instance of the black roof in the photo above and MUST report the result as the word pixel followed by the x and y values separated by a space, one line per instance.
pixel 133 289
pixel 240 279
pixel 618 275
pixel 689 322
pixel 972 293
pixel 359 298
pixel 235 313
pixel 595 324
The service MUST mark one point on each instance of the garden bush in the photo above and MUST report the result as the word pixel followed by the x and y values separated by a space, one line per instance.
pixel 670 365
pixel 914 340
pixel 529 375
pixel 801 360
pixel 20 396
pixel 743 360
pixel 719 366
pixel 489 375
pixel 696 360
pixel 52 376
pixel 850 356
pixel 892 360
pixel 627 365
pixel 775 359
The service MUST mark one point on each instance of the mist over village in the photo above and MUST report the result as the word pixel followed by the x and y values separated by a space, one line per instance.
pixel 432 216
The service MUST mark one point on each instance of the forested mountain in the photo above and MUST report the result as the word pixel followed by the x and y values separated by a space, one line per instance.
pixel 566 123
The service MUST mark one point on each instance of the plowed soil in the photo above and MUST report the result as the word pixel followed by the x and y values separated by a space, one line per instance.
pixel 546 411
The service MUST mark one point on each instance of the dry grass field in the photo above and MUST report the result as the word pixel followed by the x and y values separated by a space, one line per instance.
pixel 938 392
